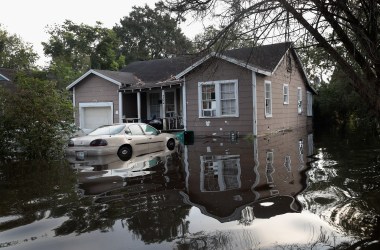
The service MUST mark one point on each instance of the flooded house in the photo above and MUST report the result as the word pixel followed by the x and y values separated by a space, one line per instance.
pixel 249 91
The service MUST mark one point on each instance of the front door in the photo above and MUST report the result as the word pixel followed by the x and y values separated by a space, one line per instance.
pixel 154 105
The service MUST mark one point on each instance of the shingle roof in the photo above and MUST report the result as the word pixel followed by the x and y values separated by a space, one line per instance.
pixel 158 70
pixel 265 57
pixel 122 77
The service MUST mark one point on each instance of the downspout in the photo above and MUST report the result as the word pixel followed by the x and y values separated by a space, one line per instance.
pixel 120 107
pixel 184 105
pixel 254 103
pixel 74 107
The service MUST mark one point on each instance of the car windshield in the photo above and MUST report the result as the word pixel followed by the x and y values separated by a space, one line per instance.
pixel 108 130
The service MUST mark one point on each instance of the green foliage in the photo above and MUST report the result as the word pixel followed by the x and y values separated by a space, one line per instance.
pixel 151 34
pixel 337 103
pixel 14 53
pixel 231 39
pixel 35 119
pixel 76 48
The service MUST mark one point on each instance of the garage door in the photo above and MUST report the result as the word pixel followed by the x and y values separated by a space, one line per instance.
pixel 94 117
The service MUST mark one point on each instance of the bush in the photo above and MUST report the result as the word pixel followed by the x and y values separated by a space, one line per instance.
pixel 34 120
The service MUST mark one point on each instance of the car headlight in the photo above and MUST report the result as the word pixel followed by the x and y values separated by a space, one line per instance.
pixel 98 142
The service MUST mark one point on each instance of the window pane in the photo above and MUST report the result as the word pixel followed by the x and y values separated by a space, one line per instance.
pixel 227 91
pixel 135 130
pixel 149 130
pixel 228 107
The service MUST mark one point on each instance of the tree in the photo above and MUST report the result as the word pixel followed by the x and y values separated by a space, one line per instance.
pixel 346 30
pixel 15 53
pixel 34 120
pixel 76 48
pixel 230 40
pixel 151 34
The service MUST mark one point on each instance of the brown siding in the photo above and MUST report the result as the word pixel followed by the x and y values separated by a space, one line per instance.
pixel 214 70
pixel 96 89
pixel 284 116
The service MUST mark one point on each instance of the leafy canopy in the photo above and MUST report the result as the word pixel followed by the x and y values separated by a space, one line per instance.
pixel 151 34
pixel 15 53
pixel 35 119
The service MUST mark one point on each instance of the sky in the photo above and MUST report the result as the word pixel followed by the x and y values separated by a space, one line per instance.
pixel 29 18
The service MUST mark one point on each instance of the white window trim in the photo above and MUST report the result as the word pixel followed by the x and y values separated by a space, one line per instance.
pixel 285 86
pixel 270 99
pixel 299 101
pixel 218 98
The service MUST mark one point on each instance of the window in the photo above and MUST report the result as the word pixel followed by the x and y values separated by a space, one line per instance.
pixel 286 93
pixel 299 100
pixel 309 103
pixel 218 98
pixel 268 99
pixel 220 173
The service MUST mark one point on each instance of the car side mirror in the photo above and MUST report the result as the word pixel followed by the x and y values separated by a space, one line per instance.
pixel 159 132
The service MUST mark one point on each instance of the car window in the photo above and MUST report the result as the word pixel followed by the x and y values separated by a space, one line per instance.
pixel 135 130
pixel 149 130
pixel 108 130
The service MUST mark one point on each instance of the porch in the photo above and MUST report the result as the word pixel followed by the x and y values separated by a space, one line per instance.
pixel 159 106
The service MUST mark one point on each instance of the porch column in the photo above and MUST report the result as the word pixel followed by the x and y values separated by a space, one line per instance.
pixel 163 103
pixel 139 106
pixel 121 111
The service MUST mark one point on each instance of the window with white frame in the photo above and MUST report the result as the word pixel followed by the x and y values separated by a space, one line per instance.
pixel 218 98
pixel 268 99
pixel 299 100
pixel 286 93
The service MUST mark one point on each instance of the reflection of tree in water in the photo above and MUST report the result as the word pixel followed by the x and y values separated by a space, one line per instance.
pixel 343 187
pixel 156 217
pixel 34 190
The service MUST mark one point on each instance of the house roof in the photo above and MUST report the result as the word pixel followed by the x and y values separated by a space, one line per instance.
pixel 158 72
pixel 117 77
pixel 6 78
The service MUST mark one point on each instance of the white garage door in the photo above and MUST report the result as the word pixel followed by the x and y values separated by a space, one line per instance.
pixel 95 114
pixel 94 117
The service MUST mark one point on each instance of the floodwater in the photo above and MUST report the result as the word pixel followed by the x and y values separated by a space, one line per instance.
pixel 296 190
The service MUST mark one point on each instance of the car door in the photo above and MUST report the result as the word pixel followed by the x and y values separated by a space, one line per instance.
pixel 138 139
pixel 156 142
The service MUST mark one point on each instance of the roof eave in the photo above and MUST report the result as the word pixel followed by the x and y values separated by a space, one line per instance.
pixel 6 78
pixel 91 71
pixel 304 72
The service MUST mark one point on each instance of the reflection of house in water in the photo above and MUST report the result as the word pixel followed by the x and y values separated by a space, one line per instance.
pixel 243 180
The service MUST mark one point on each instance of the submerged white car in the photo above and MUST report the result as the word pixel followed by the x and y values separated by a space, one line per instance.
pixel 124 140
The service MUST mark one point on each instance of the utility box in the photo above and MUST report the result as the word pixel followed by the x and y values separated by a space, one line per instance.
pixel 186 137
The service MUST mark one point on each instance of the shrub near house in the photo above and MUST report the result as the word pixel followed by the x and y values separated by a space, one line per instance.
pixel 35 119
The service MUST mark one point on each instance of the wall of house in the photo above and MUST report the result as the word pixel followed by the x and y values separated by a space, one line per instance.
pixel 96 89
pixel 284 116
pixel 213 70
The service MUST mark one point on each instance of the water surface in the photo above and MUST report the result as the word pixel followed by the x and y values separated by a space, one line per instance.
pixel 287 191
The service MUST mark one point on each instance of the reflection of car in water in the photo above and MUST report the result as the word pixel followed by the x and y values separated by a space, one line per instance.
pixel 123 140
pixel 103 175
